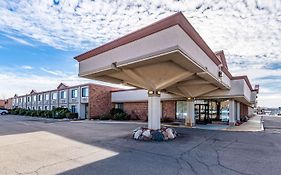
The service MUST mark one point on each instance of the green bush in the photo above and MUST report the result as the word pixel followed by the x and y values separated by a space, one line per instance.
pixel 15 111
pixel 28 112
pixel 71 115
pixel 41 113
pixel 167 120
pixel 33 113
pixel 121 116
pixel 60 113
pixel 105 117
pixel 22 111
pixel 114 111
pixel 48 114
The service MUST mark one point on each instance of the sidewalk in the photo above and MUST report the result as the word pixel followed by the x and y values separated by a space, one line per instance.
pixel 253 124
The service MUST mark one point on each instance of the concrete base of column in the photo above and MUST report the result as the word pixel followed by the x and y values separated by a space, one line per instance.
pixel 154 112
pixel 190 118
pixel 232 123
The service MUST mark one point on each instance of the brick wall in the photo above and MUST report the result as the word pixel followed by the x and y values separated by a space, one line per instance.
pixel 9 103
pixel 99 100
pixel 169 109
pixel 2 103
pixel 138 110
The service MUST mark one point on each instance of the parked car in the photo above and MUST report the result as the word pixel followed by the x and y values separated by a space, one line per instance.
pixel 3 111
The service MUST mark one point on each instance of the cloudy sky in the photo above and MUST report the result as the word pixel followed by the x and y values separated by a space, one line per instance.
pixel 38 39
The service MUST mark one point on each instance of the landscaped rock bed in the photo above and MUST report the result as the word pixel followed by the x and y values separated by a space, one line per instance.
pixel 162 134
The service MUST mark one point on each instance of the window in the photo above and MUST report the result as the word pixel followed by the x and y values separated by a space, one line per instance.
pixel 39 97
pixel 54 96
pixel 181 109
pixel 62 94
pixel 73 109
pixel 119 106
pixel 19 100
pixel 34 98
pixel 28 99
pixel 46 107
pixel 85 92
pixel 74 93
pixel 53 107
pixel 24 99
pixel 39 107
pixel 47 97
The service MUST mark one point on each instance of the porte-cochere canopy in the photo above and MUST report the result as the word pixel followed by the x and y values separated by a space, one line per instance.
pixel 167 56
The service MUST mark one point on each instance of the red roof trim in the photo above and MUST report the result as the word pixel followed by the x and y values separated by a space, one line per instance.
pixel 176 19
pixel 222 56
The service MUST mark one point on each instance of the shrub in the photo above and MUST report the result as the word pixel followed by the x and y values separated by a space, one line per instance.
pixel 39 113
pixel 114 111
pixel 167 119
pixel 22 111
pixel 244 119
pixel 105 117
pixel 72 115
pixel 15 111
pixel 33 113
pixel 48 114
pixel 28 112
pixel 121 116
pixel 60 113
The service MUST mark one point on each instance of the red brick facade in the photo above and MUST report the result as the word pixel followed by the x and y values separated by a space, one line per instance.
pixel 9 103
pixel 169 109
pixel 99 100
pixel 137 111
pixel 2 103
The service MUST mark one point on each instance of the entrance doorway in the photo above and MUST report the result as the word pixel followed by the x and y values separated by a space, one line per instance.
pixel 202 113
pixel 181 110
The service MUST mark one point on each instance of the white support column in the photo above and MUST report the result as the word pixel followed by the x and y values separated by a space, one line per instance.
pixel 154 110
pixel 238 111
pixel 232 112
pixel 190 118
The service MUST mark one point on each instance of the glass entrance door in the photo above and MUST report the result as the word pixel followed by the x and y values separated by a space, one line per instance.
pixel 202 113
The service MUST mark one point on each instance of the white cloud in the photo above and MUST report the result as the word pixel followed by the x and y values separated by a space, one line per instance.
pixel 19 40
pixel 53 72
pixel 26 67
pixel 248 31
pixel 22 83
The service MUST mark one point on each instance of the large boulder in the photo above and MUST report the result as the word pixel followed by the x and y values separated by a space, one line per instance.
pixel 157 135
pixel 147 133
pixel 170 133
pixel 137 134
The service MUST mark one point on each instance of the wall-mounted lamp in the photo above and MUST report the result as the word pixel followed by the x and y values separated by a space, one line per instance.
pixel 153 93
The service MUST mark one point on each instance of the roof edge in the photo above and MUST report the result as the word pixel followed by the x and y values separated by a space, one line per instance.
pixel 175 19
pixel 245 77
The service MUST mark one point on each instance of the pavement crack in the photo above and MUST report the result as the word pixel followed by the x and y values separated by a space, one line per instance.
pixel 223 166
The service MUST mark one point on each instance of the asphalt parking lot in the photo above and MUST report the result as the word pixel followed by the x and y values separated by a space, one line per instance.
pixel 38 146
